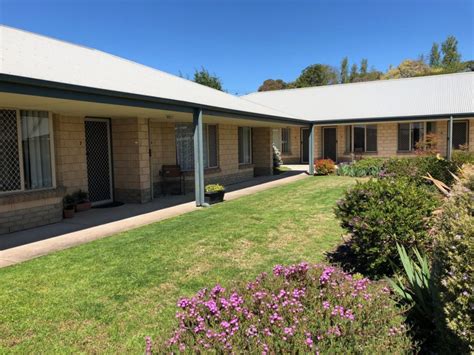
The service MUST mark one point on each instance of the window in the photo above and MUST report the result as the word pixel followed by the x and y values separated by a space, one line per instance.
pixel 348 130
pixel 185 146
pixel 361 138
pixel 282 139
pixel 26 148
pixel 245 145
pixel 460 138
pixel 285 140
pixel 409 134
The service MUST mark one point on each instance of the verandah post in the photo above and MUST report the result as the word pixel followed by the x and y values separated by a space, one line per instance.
pixel 450 138
pixel 311 150
pixel 198 157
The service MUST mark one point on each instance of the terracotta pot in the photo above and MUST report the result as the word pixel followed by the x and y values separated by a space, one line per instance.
pixel 83 206
pixel 68 213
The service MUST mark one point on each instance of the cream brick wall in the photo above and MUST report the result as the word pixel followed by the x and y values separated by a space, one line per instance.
pixel 70 152
pixel 318 145
pixel 130 159
pixel 387 140
pixel 163 145
pixel 163 148
pixel 228 153
pixel 294 156
pixel 262 150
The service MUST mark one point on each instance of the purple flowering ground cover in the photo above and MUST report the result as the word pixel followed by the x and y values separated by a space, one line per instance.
pixel 106 296
pixel 301 308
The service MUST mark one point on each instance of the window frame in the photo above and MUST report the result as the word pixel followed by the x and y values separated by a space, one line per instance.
pixel 208 147
pixel 425 132
pixel 206 129
pixel 251 145
pixel 20 151
pixel 467 131
pixel 285 142
pixel 351 138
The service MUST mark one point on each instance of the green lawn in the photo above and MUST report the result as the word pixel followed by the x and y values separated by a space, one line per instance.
pixel 106 296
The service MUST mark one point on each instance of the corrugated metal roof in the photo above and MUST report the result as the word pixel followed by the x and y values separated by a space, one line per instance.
pixel 421 96
pixel 35 56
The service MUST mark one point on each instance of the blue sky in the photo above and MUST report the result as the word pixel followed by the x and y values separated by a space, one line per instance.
pixel 245 41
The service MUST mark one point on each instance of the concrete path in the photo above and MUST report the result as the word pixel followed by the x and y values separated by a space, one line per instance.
pixel 100 223
pixel 297 167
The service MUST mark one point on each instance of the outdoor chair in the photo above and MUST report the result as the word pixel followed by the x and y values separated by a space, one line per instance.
pixel 172 180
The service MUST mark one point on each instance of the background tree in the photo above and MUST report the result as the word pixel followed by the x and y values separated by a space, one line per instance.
pixel 344 74
pixel 364 65
pixel 407 69
pixel 354 73
pixel 372 75
pixel 270 84
pixel 317 75
pixel 451 56
pixel 203 77
pixel 435 56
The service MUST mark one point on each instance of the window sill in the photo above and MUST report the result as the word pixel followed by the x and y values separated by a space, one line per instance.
pixel 361 153
pixel 31 195
pixel 246 166
pixel 405 152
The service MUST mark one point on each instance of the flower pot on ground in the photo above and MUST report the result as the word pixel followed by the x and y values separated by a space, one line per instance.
pixel 214 193
pixel 81 201
pixel 69 206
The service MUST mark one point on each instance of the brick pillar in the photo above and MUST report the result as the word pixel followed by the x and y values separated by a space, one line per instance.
pixel 131 160
pixel 262 151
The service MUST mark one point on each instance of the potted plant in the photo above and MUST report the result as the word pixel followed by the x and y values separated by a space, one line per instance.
pixel 214 193
pixel 81 201
pixel 69 205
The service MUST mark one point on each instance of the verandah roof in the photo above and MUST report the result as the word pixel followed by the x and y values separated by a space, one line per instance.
pixel 33 59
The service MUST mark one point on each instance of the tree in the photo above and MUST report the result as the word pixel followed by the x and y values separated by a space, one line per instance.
pixel 203 77
pixel 354 73
pixel 317 75
pixel 435 56
pixel 364 66
pixel 407 69
pixel 372 75
pixel 270 84
pixel 344 74
pixel 451 56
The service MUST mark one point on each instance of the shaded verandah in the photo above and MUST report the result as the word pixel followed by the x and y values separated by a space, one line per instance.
pixel 134 166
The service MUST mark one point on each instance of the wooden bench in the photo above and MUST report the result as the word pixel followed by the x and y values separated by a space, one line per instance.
pixel 172 180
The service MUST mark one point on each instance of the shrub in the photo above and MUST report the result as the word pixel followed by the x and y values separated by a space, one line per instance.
pixel 277 161
pixel 462 156
pixel 69 202
pixel 454 255
pixel 80 196
pixel 416 168
pixel 324 166
pixel 429 146
pixel 363 167
pixel 418 289
pixel 297 309
pixel 214 188
pixel 378 214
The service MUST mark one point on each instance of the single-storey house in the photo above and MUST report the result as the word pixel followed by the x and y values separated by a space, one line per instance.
pixel 77 118
pixel 384 118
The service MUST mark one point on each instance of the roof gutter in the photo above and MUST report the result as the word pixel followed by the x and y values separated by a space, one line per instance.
pixel 45 88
